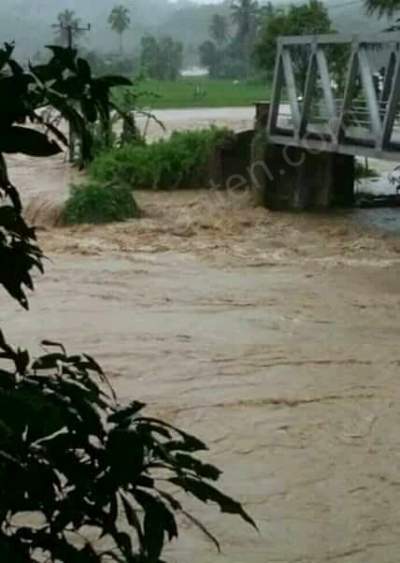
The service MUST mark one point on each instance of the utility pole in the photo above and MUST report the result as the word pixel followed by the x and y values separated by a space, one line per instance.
pixel 70 29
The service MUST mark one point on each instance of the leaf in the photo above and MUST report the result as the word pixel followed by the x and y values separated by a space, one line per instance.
pixel 205 492
pixel 201 469
pixel 16 69
pixel 125 544
pixel 3 343
pixel 93 364
pixel 5 54
pixel 27 141
pixel 22 360
pixel 111 81
pixel 125 455
pixel 188 442
pixel 175 504
pixel 64 55
pixel 158 520
pixel 203 528
pixel 11 220
pixel 50 343
pixel 83 70
pixel 123 414
pixel 49 361
pixel 132 519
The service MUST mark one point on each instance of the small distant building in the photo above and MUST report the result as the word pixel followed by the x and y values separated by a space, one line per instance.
pixel 194 72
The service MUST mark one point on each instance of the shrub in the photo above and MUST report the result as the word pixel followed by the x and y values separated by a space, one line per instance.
pixel 94 202
pixel 177 162
pixel 362 170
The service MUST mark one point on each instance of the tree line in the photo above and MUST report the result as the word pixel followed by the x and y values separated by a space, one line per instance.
pixel 160 58
pixel 245 42
pixel 241 43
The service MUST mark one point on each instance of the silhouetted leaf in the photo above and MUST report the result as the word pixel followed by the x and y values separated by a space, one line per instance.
pixel 50 343
pixel 49 361
pixel 205 492
pixel 158 521
pixel 112 81
pixel 83 70
pixel 202 469
pixel 66 56
pixel 133 520
pixel 126 413
pixel 27 141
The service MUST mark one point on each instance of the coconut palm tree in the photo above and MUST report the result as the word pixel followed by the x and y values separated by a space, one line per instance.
pixel 382 8
pixel 219 29
pixel 119 20
pixel 245 16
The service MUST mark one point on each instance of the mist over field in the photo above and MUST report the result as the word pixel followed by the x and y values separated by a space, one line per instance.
pixel 28 22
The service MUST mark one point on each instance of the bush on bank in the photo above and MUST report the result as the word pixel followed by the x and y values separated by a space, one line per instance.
pixel 95 202
pixel 178 162
pixel 182 161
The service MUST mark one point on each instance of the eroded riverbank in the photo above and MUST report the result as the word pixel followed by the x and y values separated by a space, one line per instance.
pixel 273 337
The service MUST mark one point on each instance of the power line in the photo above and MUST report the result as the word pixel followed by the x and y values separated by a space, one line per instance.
pixel 70 29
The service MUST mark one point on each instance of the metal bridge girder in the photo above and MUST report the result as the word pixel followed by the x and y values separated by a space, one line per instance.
pixel 372 114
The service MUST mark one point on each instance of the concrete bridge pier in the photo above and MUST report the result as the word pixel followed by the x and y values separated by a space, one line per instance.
pixel 296 178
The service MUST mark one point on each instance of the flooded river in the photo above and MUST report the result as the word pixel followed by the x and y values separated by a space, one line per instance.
pixel 274 337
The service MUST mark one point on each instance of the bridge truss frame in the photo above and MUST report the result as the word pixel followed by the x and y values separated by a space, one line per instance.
pixel 380 107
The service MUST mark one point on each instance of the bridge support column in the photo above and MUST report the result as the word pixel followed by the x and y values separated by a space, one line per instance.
pixel 295 178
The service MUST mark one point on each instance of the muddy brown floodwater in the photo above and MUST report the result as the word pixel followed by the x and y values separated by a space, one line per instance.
pixel 274 337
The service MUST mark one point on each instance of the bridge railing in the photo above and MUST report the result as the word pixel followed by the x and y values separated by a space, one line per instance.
pixel 340 93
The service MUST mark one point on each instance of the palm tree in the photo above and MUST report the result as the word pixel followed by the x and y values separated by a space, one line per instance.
pixel 219 29
pixel 382 8
pixel 68 27
pixel 119 20
pixel 245 15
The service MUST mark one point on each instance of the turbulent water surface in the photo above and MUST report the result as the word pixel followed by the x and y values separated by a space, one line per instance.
pixel 274 337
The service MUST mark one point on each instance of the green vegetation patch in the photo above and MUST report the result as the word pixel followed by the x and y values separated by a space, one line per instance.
pixel 178 162
pixel 362 170
pixel 96 202
pixel 202 92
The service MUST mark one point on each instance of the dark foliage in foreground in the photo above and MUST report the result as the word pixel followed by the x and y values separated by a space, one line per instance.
pixel 66 84
pixel 75 466
pixel 72 458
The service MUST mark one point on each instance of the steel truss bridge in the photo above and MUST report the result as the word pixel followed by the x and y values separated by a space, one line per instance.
pixel 338 93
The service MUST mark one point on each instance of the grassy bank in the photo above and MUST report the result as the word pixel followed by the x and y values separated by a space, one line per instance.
pixel 183 161
pixel 201 92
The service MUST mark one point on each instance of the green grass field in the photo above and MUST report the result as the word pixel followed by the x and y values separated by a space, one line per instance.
pixel 201 92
